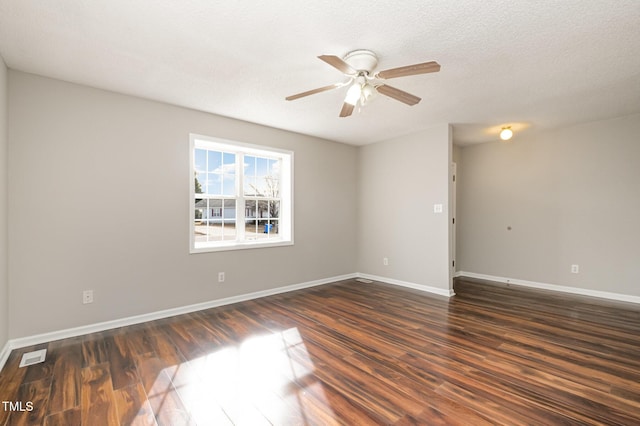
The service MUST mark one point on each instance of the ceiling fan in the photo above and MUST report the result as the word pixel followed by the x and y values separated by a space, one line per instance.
pixel 358 66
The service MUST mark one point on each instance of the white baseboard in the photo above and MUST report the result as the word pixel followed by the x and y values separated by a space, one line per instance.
pixel 553 287
pixel 108 325
pixel 4 354
pixel 425 288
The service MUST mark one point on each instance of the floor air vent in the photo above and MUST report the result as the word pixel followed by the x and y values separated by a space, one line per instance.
pixel 34 357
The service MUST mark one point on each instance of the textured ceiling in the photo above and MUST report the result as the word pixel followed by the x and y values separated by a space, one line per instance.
pixel 532 64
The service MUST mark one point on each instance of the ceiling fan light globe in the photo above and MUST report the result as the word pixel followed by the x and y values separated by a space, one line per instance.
pixel 353 94
pixel 368 91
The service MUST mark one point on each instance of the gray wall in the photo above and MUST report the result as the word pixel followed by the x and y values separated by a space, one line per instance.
pixel 399 181
pixel 99 193
pixel 571 196
pixel 4 285
pixel 98 199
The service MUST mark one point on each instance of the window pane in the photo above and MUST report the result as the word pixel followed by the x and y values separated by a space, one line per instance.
pixel 271 228
pixel 251 230
pixel 228 225
pixel 214 211
pixel 263 209
pixel 230 211
pixel 229 185
pixel 227 174
pixel 249 165
pixel 262 167
pixel 274 169
pixel 274 209
pixel 259 187
pixel 214 184
pixel 200 207
pixel 200 160
pixel 215 161
pixel 250 187
pixel 201 179
pixel 200 231
pixel 250 209
pixel 200 225
pixel 229 163
pixel 272 187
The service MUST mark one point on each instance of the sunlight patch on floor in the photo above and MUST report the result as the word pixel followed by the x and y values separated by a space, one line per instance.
pixel 264 377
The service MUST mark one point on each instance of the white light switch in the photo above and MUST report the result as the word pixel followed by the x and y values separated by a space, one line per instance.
pixel 437 208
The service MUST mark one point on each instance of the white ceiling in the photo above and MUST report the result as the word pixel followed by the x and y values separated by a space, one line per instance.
pixel 532 64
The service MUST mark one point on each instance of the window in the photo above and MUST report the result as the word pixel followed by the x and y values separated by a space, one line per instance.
pixel 241 195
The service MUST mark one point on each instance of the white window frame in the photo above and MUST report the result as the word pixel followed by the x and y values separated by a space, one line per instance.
pixel 285 221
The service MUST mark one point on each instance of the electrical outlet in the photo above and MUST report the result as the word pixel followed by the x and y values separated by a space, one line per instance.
pixel 575 269
pixel 220 277
pixel 385 261
pixel 87 296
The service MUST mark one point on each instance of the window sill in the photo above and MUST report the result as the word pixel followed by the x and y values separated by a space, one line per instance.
pixel 240 246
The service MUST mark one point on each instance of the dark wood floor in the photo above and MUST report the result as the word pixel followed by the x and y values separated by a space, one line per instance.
pixel 348 353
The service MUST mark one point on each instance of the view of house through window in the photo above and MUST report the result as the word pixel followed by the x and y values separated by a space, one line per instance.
pixel 241 195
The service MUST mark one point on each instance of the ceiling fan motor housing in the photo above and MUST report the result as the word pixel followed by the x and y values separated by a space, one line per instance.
pixel 362 60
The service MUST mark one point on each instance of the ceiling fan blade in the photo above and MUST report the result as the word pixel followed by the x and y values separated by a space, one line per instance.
pixel 415 69
pixel 313 92
pixel 398 94
pixel 347 110
pixel 338 64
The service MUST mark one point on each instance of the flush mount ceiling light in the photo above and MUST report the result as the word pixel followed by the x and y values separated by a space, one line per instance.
pixel 506 133
pixel 363 83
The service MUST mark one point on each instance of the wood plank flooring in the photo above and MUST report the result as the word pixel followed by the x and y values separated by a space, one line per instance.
pixel 348 353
